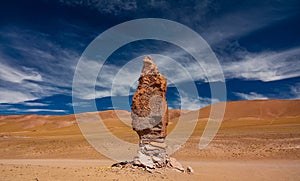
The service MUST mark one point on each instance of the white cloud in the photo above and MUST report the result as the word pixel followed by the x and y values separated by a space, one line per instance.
pixel 195 104
pixel 15 96
pixel 240 22
pixel 85 81
pixel 115 80
pixel 188 102
pixel 54 66
pixel 44 110
pixel 205 17
pixel 34 104
pixel 265 66
pixel 54 69
pixel 36 110
pixel 251 96
pixel 295 91
pixel 17 74
pixel 40 72
pixel 181 68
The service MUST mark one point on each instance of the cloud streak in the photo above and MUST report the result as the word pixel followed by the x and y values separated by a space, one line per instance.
pixel 295 91
pixel 179 68
pixel 7 73
pixel 35 110
pixel 11 96
pixel 36 63
pixel 265 66
pixel 251 96
pixel 44 68
pixel 186 102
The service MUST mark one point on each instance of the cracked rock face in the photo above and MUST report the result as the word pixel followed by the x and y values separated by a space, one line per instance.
pixel 150 116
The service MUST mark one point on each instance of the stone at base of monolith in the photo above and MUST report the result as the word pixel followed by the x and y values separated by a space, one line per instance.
pixel 173 163
pixel 170 164
pixel 152 153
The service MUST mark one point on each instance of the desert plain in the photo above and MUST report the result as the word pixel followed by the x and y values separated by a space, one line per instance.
pixel 257 140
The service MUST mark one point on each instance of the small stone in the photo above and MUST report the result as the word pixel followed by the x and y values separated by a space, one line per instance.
pixel 146 160
pixel 128 166
pixel 149 170
pixel 156 159
pixel 136 161
pixel 150 148
pixel 189 170
pixel 156 129
pixel 175 164
pixel 160 140
pixel 161 145
pixel 119 165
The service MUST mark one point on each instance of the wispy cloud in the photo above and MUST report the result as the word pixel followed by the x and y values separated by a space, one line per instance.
pixel 34 104
pixel 251 96
pixel 15 96
pixel 104 6
pixel 217 21
pixel 17 75
pixel 184 101
pixel 34 65
pixel 36 110
pixel 44 110
pixel 195 104
pixel 44 68
pixel 265 66
pixel 114 80
pixel 295 91
pixel 241 21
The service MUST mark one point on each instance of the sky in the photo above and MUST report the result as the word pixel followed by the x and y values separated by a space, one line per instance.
pixel 257 44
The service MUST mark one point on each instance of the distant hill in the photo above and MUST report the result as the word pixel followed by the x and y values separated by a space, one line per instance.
pixel 258 109
pixel 262 109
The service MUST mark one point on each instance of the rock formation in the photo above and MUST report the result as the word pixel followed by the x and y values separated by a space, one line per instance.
pixel 150 116
pixel 150 120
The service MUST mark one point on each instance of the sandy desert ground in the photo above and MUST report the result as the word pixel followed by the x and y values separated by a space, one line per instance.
pixel 258 140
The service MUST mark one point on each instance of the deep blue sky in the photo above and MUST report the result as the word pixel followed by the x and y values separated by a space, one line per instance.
pixel 41 41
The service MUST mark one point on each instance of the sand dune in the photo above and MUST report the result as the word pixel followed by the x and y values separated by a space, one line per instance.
pixel 262 109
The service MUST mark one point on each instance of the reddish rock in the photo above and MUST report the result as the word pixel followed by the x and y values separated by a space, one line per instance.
pixel 149 105
pixel 150 115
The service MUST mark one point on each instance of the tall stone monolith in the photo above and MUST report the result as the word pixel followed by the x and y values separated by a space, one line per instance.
pixel 150 116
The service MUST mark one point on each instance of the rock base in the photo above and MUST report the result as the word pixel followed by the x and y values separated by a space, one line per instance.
pixel 170 163
pixel 152 153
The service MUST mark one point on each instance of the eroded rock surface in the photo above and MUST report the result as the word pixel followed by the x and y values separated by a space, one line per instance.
pixel 150 120
pixel 150 116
